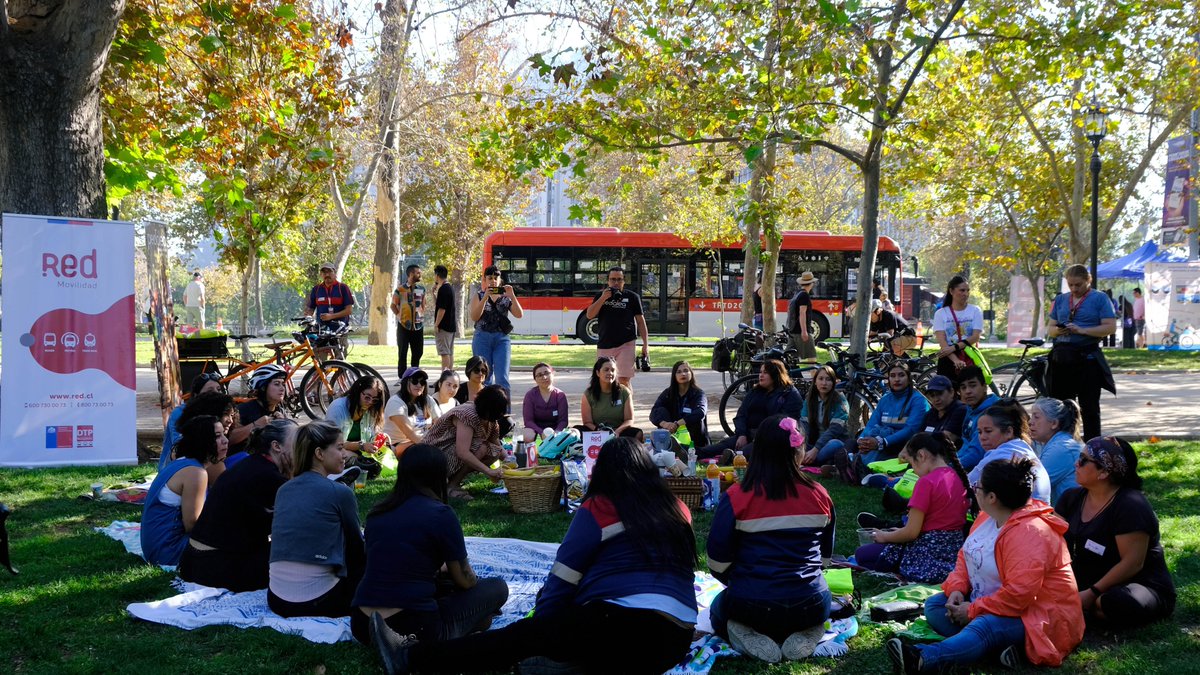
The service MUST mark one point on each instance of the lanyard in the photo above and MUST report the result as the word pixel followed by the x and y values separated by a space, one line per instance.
pixel 957 326
pixel 1074 306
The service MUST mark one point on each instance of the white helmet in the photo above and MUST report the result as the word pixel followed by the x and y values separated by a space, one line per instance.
pixel 265 374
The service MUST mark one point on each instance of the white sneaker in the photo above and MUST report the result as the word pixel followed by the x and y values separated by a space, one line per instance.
pixel 800 645
pixel 752 643
pixel 347 477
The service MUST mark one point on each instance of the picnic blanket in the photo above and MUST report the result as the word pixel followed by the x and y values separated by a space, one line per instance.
pixel 125 493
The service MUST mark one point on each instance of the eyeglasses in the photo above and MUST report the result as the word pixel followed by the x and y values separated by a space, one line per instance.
pixel 544 373
pixel 492 276
pixel 976 486
pixel 616 279
pixel 366 395
pixel 210 377
pixel 1084 460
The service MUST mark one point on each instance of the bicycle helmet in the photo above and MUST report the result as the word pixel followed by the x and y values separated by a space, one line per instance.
pixel 265 374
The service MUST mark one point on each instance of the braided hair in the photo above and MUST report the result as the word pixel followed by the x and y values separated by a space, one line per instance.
pixel 939 444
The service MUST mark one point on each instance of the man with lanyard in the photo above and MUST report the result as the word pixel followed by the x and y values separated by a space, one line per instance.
pixel 408 304
pixel 799 316
pixel 331 301
pixel 1081 319
pixel 620 323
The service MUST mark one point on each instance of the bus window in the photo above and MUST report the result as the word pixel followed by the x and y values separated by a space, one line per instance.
pixel 731 276
pixel 552 277
pixel 829 267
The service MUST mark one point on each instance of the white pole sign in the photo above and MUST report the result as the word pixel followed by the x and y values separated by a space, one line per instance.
pixel 69 386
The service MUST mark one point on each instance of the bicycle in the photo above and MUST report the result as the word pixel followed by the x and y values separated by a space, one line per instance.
pixel 747 345
pixel 1022 379
pixel 336 345
pixel 854 381
pixel 324 380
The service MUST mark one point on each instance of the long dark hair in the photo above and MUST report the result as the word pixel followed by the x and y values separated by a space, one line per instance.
pixel 778 373
pixel 413 403
pixel 814 401
pixel 775 471
pixel 674 401
pixel 594 383
pixel 214 403
pixel 939 444
pixel 198 439
pixel 955 281
pixel 353 397
pixel 650 512
pixel 422 470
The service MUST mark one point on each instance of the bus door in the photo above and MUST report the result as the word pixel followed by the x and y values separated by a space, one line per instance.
pixel 664 295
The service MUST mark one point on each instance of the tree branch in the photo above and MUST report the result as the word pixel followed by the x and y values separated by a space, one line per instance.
pixel 920 65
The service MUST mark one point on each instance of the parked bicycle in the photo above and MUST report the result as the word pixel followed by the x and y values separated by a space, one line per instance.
pixel 337 345
pixel 742 354
pixel 857 382
pixel 324 379
pixel 1023 379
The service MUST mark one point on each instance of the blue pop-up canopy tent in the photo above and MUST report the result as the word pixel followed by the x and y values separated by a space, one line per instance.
pixel 1132 266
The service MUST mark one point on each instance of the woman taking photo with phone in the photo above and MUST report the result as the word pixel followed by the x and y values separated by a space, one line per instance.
pixel 1081 319
pixel 490 309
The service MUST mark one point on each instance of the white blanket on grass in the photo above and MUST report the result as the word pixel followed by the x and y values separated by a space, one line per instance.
pixel 522 564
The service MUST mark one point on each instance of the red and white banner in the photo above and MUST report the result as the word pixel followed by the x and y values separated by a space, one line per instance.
pixel 69 385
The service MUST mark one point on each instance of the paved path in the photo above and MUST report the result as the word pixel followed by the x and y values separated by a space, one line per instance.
pixel 1160 404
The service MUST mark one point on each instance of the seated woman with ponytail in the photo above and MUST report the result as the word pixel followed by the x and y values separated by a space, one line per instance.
pixel 924 550
pixel 230 546
pixel 1011 593
pixel 1054 427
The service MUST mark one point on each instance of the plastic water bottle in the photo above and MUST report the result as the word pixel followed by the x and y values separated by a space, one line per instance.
pixel 691 463
pixel 712 486
pixel 739 465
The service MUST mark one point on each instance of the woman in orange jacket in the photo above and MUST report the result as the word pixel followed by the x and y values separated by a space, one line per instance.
pixel 1012 585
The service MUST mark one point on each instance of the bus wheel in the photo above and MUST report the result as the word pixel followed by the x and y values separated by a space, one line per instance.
pixel 818 327
pixel 587 329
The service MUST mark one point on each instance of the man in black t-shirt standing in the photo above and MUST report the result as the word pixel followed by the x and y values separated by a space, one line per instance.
pixel 446 316
pixel 799 315
pixel 619 312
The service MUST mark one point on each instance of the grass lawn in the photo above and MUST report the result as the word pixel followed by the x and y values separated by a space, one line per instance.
pixel 574 355
pixel 65 612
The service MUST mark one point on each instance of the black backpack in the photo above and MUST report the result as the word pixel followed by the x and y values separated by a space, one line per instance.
pixel 722 356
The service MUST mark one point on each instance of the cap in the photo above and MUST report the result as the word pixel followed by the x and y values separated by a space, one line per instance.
pixel 326 266
pixel 939 383
pixel 412 370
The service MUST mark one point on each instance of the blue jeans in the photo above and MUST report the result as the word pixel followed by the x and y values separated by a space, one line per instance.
pixel 985 634
pixel 777 619
pixel 826 454
pixel 496 349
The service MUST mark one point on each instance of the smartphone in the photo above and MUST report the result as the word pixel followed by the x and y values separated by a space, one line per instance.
pixel 497 290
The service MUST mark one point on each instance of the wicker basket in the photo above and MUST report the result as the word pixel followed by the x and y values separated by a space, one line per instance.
pixel 690 490
pixel 539 493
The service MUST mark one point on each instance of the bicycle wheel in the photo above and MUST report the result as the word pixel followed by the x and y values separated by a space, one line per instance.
pixel 363 370
pixel 323 384
pixel 1024 391
pixel 866 407
pixel 731 400
pixel 1006 377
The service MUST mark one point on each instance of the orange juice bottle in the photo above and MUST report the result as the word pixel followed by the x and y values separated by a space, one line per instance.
pixel 739 465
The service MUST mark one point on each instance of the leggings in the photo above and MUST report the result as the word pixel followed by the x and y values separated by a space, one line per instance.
pixel 1132 605
pixel 237 572
pixel 599 637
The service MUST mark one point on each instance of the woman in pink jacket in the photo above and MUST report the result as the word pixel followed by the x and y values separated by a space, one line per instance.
pixel 1012 586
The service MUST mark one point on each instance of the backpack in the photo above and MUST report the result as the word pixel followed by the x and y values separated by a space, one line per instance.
pixel 560 444
pixel 722 355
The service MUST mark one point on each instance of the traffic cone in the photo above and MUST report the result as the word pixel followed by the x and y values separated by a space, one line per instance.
pixel 554 339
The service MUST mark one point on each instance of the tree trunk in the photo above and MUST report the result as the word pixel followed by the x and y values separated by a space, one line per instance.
pixel 770 227
pixel 258 303
pixel 384 267
pixel 52 54
pixel 247 284
pixel 753 248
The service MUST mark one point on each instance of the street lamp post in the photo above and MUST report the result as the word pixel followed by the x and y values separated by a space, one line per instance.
pixel 1095 126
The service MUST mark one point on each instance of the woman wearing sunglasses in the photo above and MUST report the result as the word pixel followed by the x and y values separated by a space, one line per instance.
pixel 359 414
pixel 477 371
pixel 1113 536
pixel 409 412
pixel 1012 591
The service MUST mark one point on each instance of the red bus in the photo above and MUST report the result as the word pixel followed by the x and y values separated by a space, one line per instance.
pixel 686 290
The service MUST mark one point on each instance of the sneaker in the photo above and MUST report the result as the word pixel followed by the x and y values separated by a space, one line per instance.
pixel 800 645
pixel 347 477
pixel 870 521
pixel 875 480
pixel 393 647
pixel 752 643
pixel 1012 657
pixel 844 462
pixel 906 659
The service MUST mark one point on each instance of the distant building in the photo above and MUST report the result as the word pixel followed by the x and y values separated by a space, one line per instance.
pixel 551 206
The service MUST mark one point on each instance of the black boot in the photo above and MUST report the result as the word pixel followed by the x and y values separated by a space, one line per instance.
pixel 4 559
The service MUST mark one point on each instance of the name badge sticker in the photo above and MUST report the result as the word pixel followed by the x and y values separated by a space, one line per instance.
pixel 1093 547
pixel 554 413
pixel 687 411
pixel 929 430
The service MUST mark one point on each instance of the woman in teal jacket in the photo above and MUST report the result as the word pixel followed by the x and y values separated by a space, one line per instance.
pixel 897 417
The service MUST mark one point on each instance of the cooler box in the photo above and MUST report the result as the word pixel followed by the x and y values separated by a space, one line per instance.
pixel 188 370
pixel 202 347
